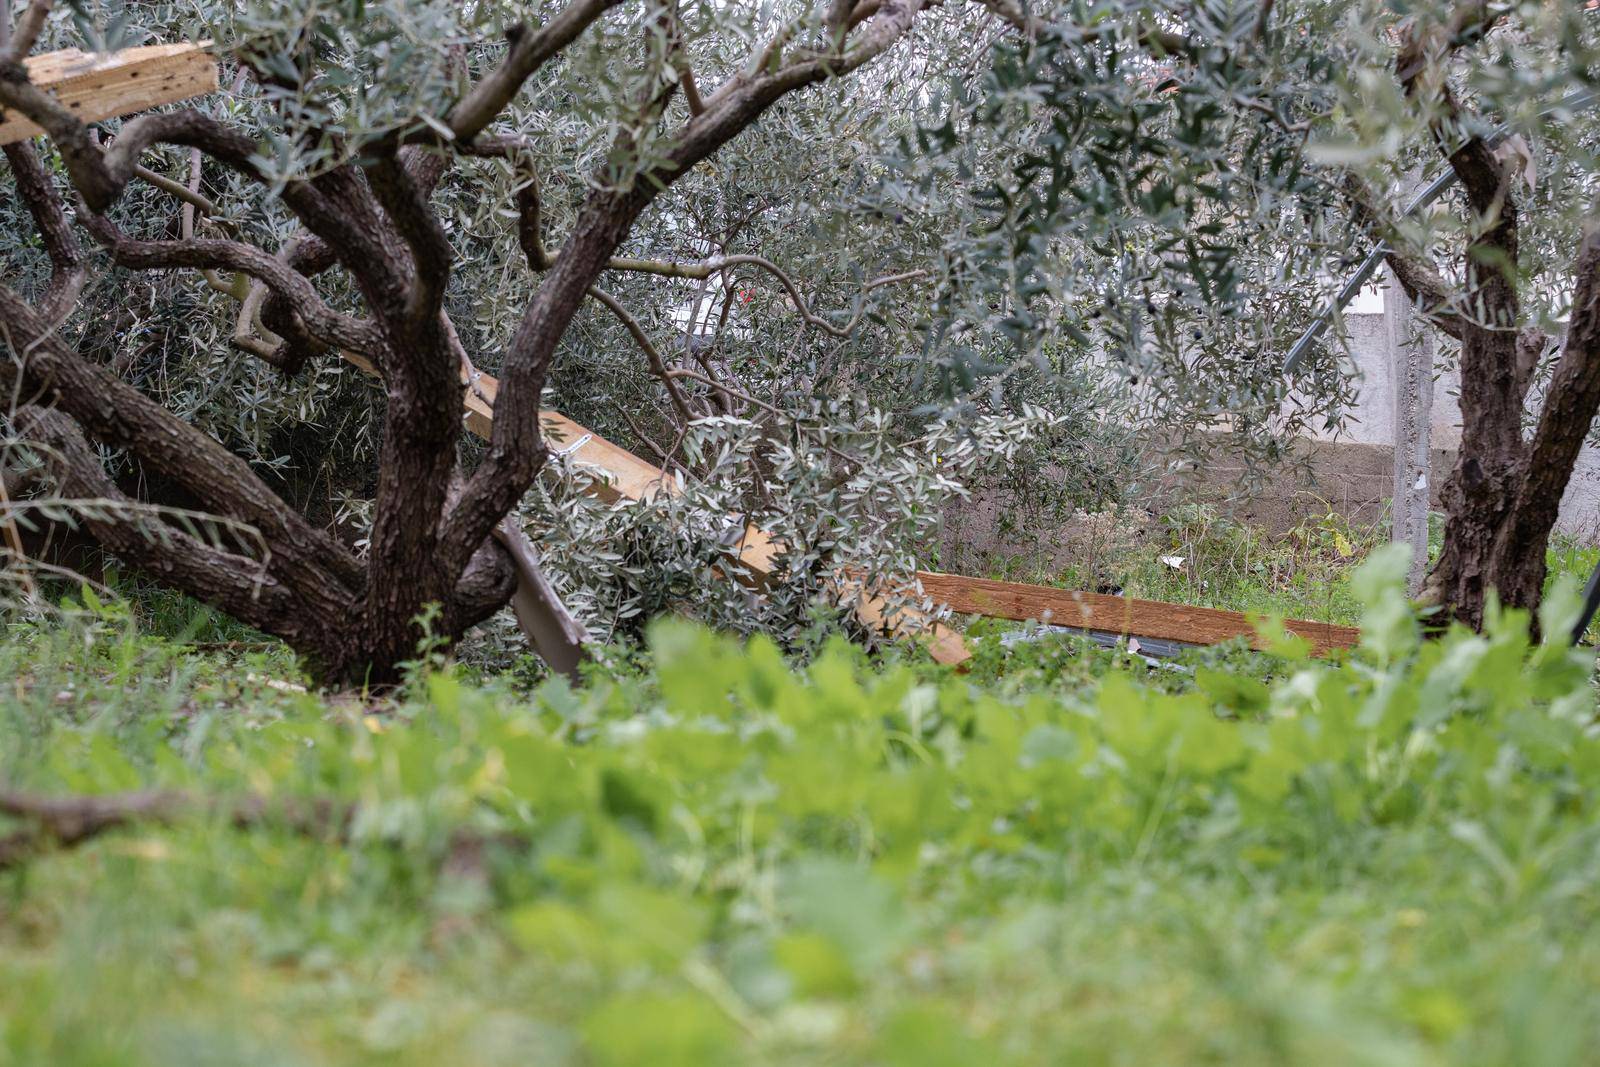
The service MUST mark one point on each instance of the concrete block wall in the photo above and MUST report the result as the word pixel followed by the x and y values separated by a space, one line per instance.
pixel 1371 422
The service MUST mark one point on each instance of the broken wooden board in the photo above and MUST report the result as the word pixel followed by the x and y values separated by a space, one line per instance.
pixel 621 474
pixel 624 476
pixel 1118 615
pixel 106 85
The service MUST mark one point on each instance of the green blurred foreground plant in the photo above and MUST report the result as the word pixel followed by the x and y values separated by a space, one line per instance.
pixel 1391 859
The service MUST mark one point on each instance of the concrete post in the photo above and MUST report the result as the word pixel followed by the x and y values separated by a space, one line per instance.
pixel 1411 373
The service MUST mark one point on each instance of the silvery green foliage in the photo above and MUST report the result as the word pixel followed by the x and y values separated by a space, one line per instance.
pixel 842 492
pixel 1117 203
pixel 1529 85
pixel 336 72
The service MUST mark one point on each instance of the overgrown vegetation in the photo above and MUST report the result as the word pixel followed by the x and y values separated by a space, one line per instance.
pixel 722 859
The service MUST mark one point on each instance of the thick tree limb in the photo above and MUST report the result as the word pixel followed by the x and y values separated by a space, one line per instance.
pixel 42 368
pixel 1426 289
pixel 1532 343
pixel 1571 402
pixel 19 42
pixel 431 255
pixel 100 175
pixel 311 255
pixel 1424 286
pixel 529 217
pixel 67 268
pixel 242 586
pixel 1419 67
pixel 425 393
pixel 202 253
pixel 1425 46
pixel 486 585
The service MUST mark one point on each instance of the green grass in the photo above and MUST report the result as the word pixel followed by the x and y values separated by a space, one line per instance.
pixel 726 859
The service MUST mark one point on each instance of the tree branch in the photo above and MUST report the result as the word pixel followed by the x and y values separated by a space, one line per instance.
pixel 706 268
pixel 529 51
pixel 244 587
pixel 658 366
pixel 516 448
pixel 200 253
pixel 1419 67
pixel 42 367
pixel 29 26
pixel 100 175
pixel 68 270
pixel 431 254
pixel 1427 289
pixel 737 394
pixel 65 821
pixel 1571 401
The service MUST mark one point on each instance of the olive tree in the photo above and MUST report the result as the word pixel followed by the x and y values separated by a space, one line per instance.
pixel 1506 268
pixel 996 195
pixel 356 166
pixel 1189 183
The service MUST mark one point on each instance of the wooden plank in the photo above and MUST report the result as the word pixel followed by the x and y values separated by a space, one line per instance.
pixel 105 85
pixel 1115 614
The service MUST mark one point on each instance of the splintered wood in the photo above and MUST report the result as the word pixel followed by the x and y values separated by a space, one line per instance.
pixel 96 86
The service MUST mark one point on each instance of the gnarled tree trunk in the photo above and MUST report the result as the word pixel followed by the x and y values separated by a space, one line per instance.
pixel 1503 497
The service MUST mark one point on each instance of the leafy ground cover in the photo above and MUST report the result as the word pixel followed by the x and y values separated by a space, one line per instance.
pixel 722 858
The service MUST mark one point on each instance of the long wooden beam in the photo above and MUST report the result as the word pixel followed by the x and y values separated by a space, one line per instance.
pixel 623 475
pixel 97 86
pixel 1117 615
